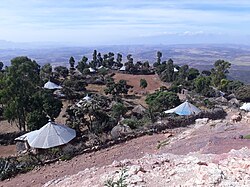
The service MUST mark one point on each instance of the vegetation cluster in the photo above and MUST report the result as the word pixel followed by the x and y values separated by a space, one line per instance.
pixel 27 104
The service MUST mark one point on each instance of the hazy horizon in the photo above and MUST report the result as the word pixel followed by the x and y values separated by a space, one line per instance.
pixel 108 22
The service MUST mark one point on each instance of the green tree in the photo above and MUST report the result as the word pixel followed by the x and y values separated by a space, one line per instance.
pixel 105 60
pixel 206 73
pixel 20 83
pixel 158 59
pixel 183 72
pixel 72 62
pixel 119 60
pixel 62 71
pixel 43 106
pixel 162 100
pixel 94 62
pixel 1 65
pixel 36 119
pixel 111 58
pixel 219 71
pixel 46 71
pixel 192 73
pixel 75 84
pixel 232 86
pixel 99 60
pixel 94 59
pixel 83 64
pixel 130 67
pixel 143 83
pixel 92 114
pixel 103 71
pixel 118 110
pixel 25 102
pixel 202 85
pixel 51 105
pixel 166 71
pixel 116 89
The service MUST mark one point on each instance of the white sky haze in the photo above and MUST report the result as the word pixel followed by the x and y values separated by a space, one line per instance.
pixel 98 22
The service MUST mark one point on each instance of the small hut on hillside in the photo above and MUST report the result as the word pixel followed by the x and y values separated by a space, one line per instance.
pixel 123 68
pixel 51 86
pixel 83 100
pixel 50 135
pixel 91 70
pixel 184 109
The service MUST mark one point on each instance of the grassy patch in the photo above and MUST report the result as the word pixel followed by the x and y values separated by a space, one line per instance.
pixel 247 137
pixel 163 143
pixel 121 182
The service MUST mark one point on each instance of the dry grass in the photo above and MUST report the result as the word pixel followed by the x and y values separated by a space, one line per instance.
pixel 7 150
pixel 60 119
pixel 96 88
pixel 153 81
pixel 6 127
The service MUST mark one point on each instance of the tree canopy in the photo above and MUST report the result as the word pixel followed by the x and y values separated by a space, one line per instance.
pixel 219 71
pixel 20 86
pixel 143 83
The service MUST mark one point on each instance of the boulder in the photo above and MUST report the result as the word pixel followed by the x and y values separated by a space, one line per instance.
pixel 120 130
pixel 201 121
pixel 231 96
pixel 234 102
pixel 139 109
pixel 221 99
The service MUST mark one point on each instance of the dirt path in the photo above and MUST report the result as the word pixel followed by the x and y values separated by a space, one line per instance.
pixel 133 149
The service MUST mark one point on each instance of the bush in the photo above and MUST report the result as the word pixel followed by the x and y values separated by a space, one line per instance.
pixel 131 123
pixel 135 123
pixel 121 182
pixel 162 100
pixel 243 93
pixel 7 168
pixel 247 136
pixel 118 109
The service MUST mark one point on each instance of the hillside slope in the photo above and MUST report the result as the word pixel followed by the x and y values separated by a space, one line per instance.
pixel 217 137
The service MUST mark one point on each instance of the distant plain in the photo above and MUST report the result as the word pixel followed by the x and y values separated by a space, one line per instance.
pixel 201 56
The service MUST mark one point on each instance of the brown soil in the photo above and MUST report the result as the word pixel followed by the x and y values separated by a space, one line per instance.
pixel 96 88
pixel 6 151
pixel 134 80
pixel 6 127
pixel 153 81
pixel 135 148
pixel 60 119
pixel 214 137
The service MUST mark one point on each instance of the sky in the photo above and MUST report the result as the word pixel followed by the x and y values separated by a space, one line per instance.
pixel 100 22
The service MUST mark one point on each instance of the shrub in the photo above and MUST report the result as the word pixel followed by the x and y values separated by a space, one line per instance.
pixel 243 93
pixel 7 168
pixel 118 109
pixel 134 123
pixel 247 136
pixel 121 182
pixel 161 100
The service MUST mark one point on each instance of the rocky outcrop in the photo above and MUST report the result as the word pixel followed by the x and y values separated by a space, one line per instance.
pixel 194 169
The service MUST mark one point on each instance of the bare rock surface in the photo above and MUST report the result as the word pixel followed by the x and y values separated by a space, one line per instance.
pixel 197 155
pixel 193 169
